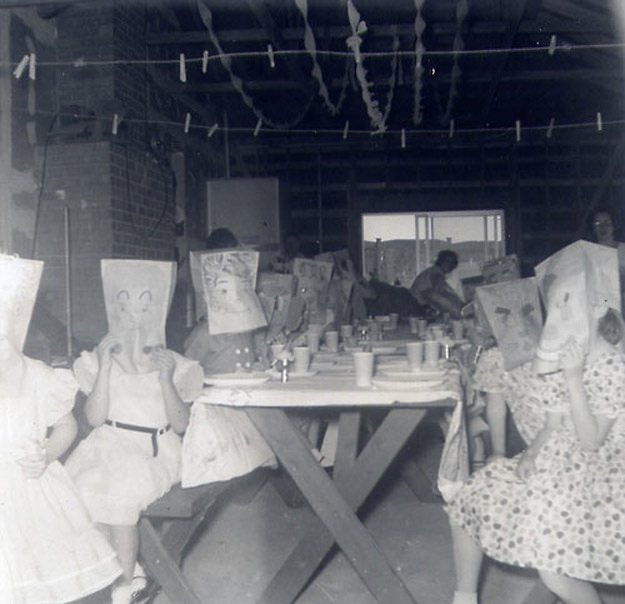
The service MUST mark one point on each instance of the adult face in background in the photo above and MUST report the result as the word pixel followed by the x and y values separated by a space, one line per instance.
pixel 603 228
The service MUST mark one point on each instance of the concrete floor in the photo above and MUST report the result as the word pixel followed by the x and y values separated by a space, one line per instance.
pixel 245 544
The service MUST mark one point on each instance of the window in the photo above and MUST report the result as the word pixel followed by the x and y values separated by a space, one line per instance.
pixel 396 247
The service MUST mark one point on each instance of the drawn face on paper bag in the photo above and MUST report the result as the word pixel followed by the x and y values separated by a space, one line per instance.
pixel 568 312
pixel 137 296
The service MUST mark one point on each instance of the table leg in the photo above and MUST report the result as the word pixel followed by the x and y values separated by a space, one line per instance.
pixel 355 484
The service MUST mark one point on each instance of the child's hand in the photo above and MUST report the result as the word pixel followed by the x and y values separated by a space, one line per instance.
pixel 164 362
pixel 108 346
pixel 34 463
pixel 526 466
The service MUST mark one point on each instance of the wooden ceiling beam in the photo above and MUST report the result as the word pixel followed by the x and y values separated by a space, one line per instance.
pixel 402 29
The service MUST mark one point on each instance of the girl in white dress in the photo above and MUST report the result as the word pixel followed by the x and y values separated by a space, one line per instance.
pixel 136 394
pixel 50 551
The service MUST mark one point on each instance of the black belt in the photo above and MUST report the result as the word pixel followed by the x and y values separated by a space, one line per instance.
pixel 154 432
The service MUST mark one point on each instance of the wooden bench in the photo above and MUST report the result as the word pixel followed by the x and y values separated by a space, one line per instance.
pixel 169 524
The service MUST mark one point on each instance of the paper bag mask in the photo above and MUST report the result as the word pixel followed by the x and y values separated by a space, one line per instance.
pixel 577 284
pixel 275 291
pixel 313 278
pixel 498 270
pixel 137 295
pixel 19 282
pixel 512 311
pixel 228 281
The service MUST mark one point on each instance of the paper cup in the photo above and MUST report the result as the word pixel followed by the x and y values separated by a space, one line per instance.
pixel 458 329
pixel 414 325
pixel 414 354
pixel 347 332
pixel 363 367
pixel 332 340
pixel 276 349
pixel 394 320
pixel 432 352
pixel 422 327
pixel 438 332
pixel 302 359
pixel 312 339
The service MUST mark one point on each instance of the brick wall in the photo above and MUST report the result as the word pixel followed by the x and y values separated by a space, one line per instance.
pixel 120 200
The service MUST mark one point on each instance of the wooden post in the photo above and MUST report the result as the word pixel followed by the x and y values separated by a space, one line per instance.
pixel 6 243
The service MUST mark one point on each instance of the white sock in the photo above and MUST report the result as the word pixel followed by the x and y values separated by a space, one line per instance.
pixel 465 597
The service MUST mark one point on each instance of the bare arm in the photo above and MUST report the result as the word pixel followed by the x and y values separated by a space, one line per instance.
pixel 591 429
pixel 175 408
pixel 496 413
pixel 61 437
pixel 98 401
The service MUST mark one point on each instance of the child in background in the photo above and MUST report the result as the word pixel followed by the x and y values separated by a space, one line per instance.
pixel 136 394
pixel 50 551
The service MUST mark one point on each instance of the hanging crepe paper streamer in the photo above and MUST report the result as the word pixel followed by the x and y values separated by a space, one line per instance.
pixel 419 49
pixel 345 129
pixel 518 130
pixel 462 9
pixel 552 45
pixel 311 47
pixel 237 83
pixel 115 124
pixel 19 70
pixel 32 66
pixel 599 122
pixel 452 124
pixel 403 138
pixel 272 59
pixel 354 41
pixel 204 61
pixel 213 129
pixel 552 121
pixel 183 68
pixel 187 123
pixel 258 126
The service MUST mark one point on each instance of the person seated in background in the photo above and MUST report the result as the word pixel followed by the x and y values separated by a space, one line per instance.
pixel 430 286
pixel 291 249
pixel 603 229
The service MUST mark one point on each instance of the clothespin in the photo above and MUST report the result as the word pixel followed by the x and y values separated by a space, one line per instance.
pixel 518 130
pixel 204 61
pixel 187 123
pixel 258 126
pixel 552 45
pixel 550 128
pixel 212 130
pixel 19 70
pixel 183 68
pixel 403 138
pixel 115 124
pixel 32 66
pixel 346 130
pixel 272 60
pixel 599 122
pixel 80 62
pixel 451 128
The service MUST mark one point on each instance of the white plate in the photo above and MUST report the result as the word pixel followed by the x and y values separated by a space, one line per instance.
pixel 302 374
pixel 237 379
pixel 421 375
pixel 408 383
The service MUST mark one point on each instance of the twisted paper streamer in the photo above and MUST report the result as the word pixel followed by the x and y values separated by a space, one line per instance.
pixel 311 47
pixel 462 10
pixel 419 50
pixel 207 18
pixel 354 41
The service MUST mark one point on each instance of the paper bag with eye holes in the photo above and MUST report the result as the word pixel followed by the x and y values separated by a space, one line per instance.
pixel 577 285
pixel 511 312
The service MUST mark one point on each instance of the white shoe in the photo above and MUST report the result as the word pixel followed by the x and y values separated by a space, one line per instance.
pixel 125 593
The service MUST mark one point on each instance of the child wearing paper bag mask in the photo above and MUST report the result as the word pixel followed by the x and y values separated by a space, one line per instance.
pixel 557 507
pixel 137 392
pixel 50 551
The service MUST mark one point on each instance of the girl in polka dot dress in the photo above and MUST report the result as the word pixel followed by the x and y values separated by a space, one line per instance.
pixel 559 506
